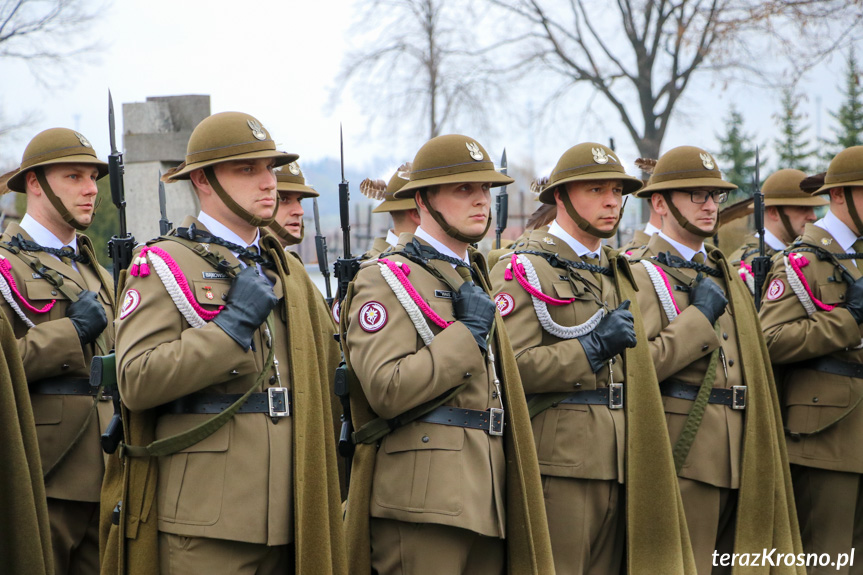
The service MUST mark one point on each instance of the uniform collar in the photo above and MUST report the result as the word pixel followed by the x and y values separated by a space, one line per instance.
pixel 772 240
pixel 579 248
pixel 43 236
pixel 685 252
pixel 219 229
pixel 837 228
pixel 650 229
pixel 427 238
pixel 392 238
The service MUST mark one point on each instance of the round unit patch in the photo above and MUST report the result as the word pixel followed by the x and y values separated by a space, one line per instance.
pixel 505 304
pixel 336 310
pixel 130 302
pixel 373 316
pixel 775 289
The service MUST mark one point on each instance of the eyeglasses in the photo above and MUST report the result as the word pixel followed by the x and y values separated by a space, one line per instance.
pixel 700 196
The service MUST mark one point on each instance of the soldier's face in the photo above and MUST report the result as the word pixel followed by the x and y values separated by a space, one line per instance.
pixel 290 214
pixel 464 206
pixel 799 216
pixel 251 183
pixel 703 216
pixel 597 201
pixel 75 185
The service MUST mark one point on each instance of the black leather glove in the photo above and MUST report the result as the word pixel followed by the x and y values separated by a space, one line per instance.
pixel 475 309
pixel 707 296
pixel 614 333
pixel 854 300
pixel 250 300
pixel 88 316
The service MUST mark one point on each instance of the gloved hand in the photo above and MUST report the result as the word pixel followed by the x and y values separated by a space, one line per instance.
pixel 475 309
pixel 707 296
pixel 88 317
pixel 614 333
pixel 250 300
pixel 854 300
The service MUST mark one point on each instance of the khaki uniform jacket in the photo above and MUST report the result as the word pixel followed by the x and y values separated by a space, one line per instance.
pixel 681 350
pixel 583 441
pixel 379 246
pixel 426 472
pixel 52 349
pixel 812 399
pixel 236 484
pixel 748 251
pixel 639 240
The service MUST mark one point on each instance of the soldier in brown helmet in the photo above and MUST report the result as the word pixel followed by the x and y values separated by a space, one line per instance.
pixel 292 189
pixel 403 212
pixel 812 312
pixel 573 333
pixel 438 485
pixel 58 299
pixel 787 210
pixel 225 360
pixel 719 396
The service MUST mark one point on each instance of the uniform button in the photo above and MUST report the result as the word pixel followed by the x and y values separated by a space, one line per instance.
pixel 425 438
pixel 704 347
pixel 234 372
pixel 577 385
pixel 224 297
pixel 466 374
pixel 724 336
pixel 53 292
pixel 842 296
pixel 65 366
pixel 730 362
pixel 815 399
pixel 273 379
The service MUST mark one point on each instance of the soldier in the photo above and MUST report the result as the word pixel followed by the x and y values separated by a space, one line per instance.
pixel 711 366
pixel 292 189
pixel 58 299
pixel 569 331
pixel 811 314
pixel 221 348
pixel 787 209
pixel 403 212
pixel 417 327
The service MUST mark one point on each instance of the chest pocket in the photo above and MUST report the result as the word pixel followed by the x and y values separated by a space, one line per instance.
pixel 39 290
pixel 565 290
pixel 832 292
pixel 211 292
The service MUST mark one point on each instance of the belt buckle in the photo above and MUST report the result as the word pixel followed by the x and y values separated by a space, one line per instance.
pixel 278 399
pixel 615 396
pixel 738 397
pixel 495 421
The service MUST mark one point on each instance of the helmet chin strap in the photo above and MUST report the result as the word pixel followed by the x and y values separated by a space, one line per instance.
pixel 583 223
pixel 57 203
pixel 256 221
pixel 287 237
pixel 786 223
pixel 448 229
pixel 686 224
pixel 852 210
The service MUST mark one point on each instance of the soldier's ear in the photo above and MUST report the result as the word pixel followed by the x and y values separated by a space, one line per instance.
pixel 659 204
pixel 200 182
pixel 31 182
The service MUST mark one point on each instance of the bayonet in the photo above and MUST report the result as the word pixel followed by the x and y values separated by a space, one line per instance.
pixel 164 224
pixel 321 248
pixel 501 204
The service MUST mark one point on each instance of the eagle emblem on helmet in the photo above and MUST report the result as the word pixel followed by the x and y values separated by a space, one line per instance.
pixel 294 168
pixel 707 161
pixel 257 129
pixel 84 141
pixel 600 156
pixel 473 148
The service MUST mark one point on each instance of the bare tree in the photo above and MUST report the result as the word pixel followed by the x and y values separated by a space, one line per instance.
pixel 641 55
pixel 417 64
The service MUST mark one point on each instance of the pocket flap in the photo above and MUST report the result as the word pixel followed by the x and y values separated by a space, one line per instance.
pixel 832 292
pixel 47 409
pixel 826 391
pixel 209 292
pixel 170 425
pixel 42 290
pixel 418 436
pixel 565 290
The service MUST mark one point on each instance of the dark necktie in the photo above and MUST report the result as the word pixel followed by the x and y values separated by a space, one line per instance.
pixel 246 257
pixel 66 255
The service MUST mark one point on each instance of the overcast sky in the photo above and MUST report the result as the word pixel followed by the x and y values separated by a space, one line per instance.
pixel 278 60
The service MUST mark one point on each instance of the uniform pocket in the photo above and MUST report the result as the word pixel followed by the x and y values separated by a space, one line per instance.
pixel 47 409
pixel 210 292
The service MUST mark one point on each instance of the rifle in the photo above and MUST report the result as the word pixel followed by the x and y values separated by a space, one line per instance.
pixel 501 205
pixel 760 263
pixel 120 249
pixel 345 268
pixel 321 248
pixel 164 224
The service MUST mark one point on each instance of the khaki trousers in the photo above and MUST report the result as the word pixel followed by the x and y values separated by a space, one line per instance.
pixel 711 514
pixel 400 548
pixel 179 555
pixel 74 536
pixel 830 512
pixel 587 525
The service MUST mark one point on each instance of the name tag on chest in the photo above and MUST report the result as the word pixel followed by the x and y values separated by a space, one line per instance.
pixel 214 275
pixel 443 294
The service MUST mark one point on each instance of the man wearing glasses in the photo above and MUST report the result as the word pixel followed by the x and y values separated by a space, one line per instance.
pixel 719 396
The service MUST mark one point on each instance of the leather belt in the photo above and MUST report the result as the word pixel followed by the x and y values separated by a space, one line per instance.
pixel 63 386
pixel 735 397
pixel 490 421
pixel 276 402
pixel 611 396
pixel 834 366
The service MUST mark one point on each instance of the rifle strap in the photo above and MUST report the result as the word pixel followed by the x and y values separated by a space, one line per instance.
pixel 190 437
